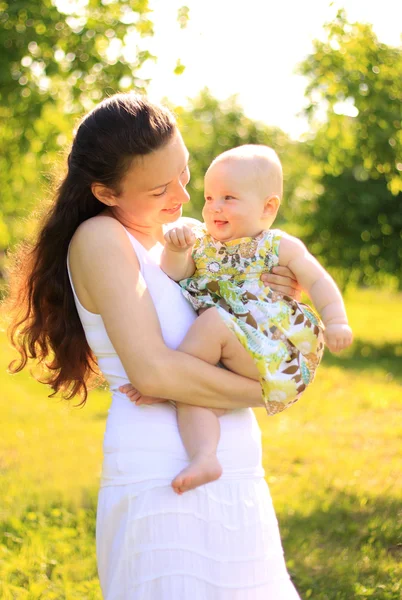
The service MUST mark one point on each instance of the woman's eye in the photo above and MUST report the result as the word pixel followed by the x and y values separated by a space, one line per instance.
pixel 161 194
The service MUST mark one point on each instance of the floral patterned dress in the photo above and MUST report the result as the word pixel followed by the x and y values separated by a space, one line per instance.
pixel 283 336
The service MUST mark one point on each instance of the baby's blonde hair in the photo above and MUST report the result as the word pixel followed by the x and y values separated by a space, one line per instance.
pixel 264 163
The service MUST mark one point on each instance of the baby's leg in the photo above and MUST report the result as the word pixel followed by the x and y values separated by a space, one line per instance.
pixel 210 340
pixel 199 429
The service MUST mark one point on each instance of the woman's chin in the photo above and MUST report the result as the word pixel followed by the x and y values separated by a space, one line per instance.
pixel 171 217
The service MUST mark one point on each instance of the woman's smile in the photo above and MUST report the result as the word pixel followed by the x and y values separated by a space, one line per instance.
pixel 173 210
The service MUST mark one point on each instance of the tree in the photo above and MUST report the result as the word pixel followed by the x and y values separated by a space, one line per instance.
pixel 52 66
pixel 356 153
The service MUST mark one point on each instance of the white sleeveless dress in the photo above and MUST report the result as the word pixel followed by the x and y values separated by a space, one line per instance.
pixel 217 542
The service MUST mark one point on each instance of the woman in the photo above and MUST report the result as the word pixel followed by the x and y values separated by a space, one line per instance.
pixel 126 182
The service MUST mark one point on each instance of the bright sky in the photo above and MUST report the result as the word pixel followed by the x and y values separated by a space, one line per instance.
pixel 251 48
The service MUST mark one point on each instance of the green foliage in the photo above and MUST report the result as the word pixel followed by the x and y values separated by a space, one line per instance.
pixel 360 228
pixel 332 463
pixel 50 553
pixel 179 68
pixel 210 127
pixel 357 222
pixel 79 55
pixel 343 186
pixel 183 16
pixel 52 66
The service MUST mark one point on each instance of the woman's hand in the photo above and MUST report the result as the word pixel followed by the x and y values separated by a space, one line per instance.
pixel 282 280
pixel 134 395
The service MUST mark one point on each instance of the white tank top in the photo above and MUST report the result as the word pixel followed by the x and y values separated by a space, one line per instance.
pixel 174 312
pixel 142 443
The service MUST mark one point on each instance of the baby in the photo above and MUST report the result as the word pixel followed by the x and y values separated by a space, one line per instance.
pixel 252 330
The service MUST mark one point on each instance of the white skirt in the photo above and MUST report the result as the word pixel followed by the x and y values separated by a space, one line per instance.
pixel 218 542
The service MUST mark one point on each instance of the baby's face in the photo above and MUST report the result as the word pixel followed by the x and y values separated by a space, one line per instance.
pixel 234 206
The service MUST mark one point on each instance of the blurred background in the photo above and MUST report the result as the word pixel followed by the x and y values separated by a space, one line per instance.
pixel 319 81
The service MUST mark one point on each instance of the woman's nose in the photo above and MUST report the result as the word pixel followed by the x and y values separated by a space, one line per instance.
pixel 186 196
pixel 182 194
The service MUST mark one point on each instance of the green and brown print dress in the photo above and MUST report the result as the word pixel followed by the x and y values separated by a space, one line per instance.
pixel 283 336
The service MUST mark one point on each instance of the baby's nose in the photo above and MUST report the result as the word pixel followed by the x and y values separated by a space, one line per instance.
pixel 216 206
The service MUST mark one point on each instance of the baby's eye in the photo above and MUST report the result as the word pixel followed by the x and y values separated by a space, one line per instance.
pixel 208 198
pixel 230 198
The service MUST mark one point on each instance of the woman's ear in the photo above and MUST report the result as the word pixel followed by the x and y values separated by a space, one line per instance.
pixel 271 206
pixel 104 194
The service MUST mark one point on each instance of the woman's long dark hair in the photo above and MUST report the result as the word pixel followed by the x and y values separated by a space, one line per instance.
pixel 45 325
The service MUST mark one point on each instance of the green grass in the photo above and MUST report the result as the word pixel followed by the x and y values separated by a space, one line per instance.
pixel 333 463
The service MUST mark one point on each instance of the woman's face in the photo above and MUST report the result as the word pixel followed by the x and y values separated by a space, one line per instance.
pixel 154 188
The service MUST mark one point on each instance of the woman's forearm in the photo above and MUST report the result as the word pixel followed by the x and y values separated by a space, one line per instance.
pixel 184 378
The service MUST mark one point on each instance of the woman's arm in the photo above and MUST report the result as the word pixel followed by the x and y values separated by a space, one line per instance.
pixel 103 260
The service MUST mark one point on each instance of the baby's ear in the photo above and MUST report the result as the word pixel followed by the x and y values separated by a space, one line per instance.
pixel 271 205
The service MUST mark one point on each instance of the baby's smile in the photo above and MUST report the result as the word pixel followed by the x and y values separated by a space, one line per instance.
pixel 220 222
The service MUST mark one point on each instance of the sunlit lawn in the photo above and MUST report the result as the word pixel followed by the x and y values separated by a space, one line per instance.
pixel 333 463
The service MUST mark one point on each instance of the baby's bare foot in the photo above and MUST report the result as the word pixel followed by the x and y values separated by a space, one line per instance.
pixel 202 469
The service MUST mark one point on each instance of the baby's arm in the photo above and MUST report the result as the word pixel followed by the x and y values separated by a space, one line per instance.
pixel 321 288
pixel 176 260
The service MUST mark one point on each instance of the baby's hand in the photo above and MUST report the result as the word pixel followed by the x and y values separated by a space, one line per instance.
pixel 338 336
pixel 179 239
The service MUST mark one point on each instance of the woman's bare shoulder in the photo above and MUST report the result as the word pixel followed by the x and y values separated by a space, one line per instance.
pixel 100 244
pixel 99 230
pixel 97 225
